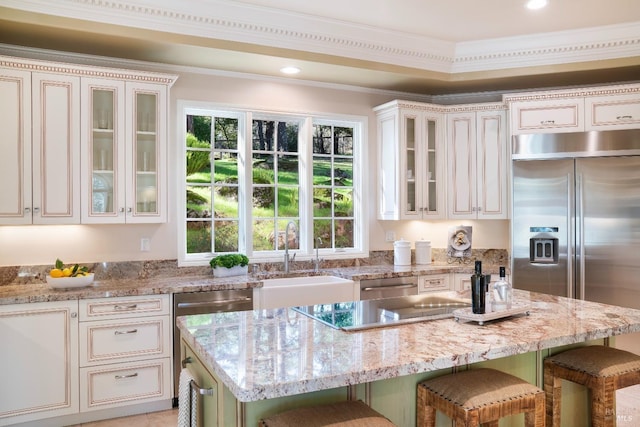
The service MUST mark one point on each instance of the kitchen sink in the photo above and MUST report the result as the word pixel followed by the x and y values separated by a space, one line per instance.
pixel 304 290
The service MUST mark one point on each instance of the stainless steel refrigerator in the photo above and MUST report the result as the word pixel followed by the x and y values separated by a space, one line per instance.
pixel 576 215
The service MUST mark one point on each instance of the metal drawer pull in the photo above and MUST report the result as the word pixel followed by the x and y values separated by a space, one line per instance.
pixel 185 361
pixel 130 331
pixel 547 122
pixel 627 117
pixel 207 303
pixel 125 307
pixel 121 377
pixel 377 288
pixel 200 390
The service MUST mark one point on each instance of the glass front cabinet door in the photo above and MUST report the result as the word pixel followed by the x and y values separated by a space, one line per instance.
pixel 146 153
pixel 123 141
pixel 103 147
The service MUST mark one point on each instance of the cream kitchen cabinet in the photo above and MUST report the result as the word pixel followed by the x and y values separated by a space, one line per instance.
pixel 612 112
pixel 123 168
pixel 38 361
pixel 478 163
pixel 125 351
pixel 552 115
pixel 82 144
pixel 434 283
pixel 40 165
pixel 411 157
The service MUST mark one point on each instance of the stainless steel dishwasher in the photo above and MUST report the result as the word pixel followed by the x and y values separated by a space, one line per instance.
pixel 188 303
pixel 388 287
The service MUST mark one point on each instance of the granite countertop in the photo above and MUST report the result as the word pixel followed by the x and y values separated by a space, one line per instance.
pixel 265 354
pixel 41 292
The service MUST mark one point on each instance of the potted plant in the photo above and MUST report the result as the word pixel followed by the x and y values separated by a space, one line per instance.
pixel 229 265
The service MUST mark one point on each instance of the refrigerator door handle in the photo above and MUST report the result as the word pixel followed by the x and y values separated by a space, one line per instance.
pixel 570 291
pixel 580 235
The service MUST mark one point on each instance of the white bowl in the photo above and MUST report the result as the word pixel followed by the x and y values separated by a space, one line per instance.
pixel 70 282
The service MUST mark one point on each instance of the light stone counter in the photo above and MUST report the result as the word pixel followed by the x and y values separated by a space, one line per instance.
pixel 37 291
pixel 267 354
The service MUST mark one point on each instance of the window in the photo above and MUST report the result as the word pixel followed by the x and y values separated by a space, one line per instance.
pixel 247 175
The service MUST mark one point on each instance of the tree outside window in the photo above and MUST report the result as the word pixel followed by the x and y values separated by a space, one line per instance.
pixel 220 207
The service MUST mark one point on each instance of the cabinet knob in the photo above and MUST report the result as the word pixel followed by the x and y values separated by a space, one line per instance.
pixel 27 210
pixel 479 209
pixel 129 210
pixel 74 314
pixel 121 210
pixel 36 210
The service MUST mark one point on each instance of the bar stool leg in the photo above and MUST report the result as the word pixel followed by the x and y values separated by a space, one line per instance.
pixel 603 404
pixel 553 396
pixel 537 416
pixel 426 416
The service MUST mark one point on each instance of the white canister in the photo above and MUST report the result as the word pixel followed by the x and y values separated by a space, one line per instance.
pixel 423 252
pixel 401 252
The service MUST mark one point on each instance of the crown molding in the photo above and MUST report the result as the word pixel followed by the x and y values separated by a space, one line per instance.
pixel 240 22
pixel 85 71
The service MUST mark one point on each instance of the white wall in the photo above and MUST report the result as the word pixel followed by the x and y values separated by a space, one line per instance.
pixel 29 245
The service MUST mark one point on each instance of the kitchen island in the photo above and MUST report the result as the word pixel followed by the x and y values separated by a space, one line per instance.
pixel 262 362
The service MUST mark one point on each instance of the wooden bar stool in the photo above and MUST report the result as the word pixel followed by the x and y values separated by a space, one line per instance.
pixel 350 413
pixel 603 370
pixel 479 396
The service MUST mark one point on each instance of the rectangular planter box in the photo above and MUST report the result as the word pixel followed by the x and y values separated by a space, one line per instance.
pixel 237 270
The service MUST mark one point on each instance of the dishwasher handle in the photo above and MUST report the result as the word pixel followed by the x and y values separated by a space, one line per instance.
pixel 386 287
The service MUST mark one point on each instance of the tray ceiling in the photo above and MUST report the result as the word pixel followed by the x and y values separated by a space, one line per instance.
pixel 418 46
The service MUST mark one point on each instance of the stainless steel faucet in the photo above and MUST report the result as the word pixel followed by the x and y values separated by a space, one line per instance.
pixel 316 262
pixel 286 246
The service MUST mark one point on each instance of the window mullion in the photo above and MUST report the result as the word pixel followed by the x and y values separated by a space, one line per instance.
pixel 245 180
pixel 305 144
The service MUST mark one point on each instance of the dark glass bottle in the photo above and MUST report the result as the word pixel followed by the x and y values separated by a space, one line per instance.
pixel 478 289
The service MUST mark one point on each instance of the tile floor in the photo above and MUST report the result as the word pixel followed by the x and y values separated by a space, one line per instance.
pixel 168 418
pixel 628 414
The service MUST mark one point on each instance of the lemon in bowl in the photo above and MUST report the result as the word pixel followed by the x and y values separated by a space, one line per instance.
pixel 78 281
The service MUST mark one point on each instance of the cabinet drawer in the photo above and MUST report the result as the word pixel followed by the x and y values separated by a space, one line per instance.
pixel 565 115
pixel 119 385
pixel 108 342
pixel 104 308
pixel 613 112
pixel 436 282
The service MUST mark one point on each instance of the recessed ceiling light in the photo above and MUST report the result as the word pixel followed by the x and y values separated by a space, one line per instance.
pixel 536 4
pixel 290 70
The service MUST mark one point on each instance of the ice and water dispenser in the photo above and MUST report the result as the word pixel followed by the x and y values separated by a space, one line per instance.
pixel 543 247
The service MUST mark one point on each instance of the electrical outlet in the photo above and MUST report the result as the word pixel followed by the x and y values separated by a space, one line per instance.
pixel 145 244
pixel 390 236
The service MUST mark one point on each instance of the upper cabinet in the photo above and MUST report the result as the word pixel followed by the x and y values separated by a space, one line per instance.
pixel 576 110
pixel 477 165
pixel 40 165
pixel 612 112
pixel 123 180
pixel 412 161
pixel 82 144
pixel 552 116
pixel 442 162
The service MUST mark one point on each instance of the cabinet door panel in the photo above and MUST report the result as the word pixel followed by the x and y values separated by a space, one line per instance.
pixel 613 112
pixel 103 157
pixel 15 162
pixel 108 342
pixel 146 139
pixel 119 385
pixel 492 165
pixel 39 361
pixel 462 165
pixel 56 149
pixel 564 115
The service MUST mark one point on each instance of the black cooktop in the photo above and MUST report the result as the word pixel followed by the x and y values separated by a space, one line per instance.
pixel 358 315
